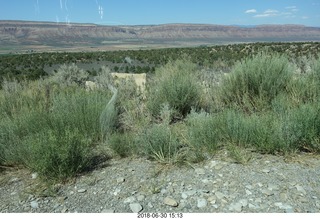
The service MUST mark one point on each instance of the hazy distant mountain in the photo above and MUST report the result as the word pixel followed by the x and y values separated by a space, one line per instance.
pixel 23 33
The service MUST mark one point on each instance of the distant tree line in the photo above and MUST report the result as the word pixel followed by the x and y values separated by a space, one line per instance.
pixel 220 57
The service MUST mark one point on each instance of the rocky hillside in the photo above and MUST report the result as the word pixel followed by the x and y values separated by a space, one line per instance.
pixel 53 34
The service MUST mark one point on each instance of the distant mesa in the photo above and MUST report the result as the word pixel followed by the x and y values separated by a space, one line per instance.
pixel 50 34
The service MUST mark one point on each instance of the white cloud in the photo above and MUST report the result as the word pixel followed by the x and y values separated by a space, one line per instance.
pixel 271 11
pixel 291 7
pixel 305 17
pixel 265 15
pixel 268 13
pixel 250 11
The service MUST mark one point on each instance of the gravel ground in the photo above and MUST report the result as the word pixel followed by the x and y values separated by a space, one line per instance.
pixel 265 184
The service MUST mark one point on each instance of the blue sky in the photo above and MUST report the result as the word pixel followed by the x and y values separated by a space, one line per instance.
pixel 136 12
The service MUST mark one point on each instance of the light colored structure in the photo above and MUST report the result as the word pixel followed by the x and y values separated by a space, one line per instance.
pixel 90 85
pixel 139 79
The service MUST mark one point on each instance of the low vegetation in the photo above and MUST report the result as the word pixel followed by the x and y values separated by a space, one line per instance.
pixel 266 103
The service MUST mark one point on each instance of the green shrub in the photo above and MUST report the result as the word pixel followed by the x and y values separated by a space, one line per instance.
pixel 300 128
pixel 255 82
pixel 31 116
pixel 175 84
pixel 160 143
pixel 203 132
pixel 70 75
pixel 122 144
pixel 58 155
pixel 78 110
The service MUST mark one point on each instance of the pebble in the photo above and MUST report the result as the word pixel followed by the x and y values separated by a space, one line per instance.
pixel 14 180
pixel 170 201
pixel 235 207
pixel 120 180
pixel 266 171
pixel 219 195
pixel 186 194
pixel 82 190
pixel 301 189
pixel 201 203
pixel 111 210
pixel 34 175
pixel 252 206
pixel 283 196
pixel 141 198
pixel 130 199
pixel 135 207
pixel 200 171
pixel 64 210
pixel 34 204
pixel 116 192
pixel 267 192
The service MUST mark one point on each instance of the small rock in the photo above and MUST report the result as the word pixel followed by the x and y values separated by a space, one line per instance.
pixel 171 202
pixel 184 195
pixel 218 167
pixel 61 199
pixel 14 180
pixel 219 195
pixel 202 203
pixel 213 163
pixel 258 200
pixel 215 206
pixel 34 175
pixel 273 187
pixel 283 196
pixel 248 192
pixel 287 208
pixel 303 200
pixel 120 180
pixel 163 191
pixel 82 190
pixel 212 199
pixel 150 205
pixel 205 181
pixel 129 199
pixel 116 192
pixel 301 189
pixel 237 207
pixel 34 204
pixel 244 202
pixel 251 206
pixel 267 192
pixel 141 198
pixel 200 171
pixel 111 210
pixel 260 184
pixel 266 171
pixel 135 207
pixel 64 210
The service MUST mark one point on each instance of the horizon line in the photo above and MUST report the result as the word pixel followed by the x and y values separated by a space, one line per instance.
pixel 114 23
